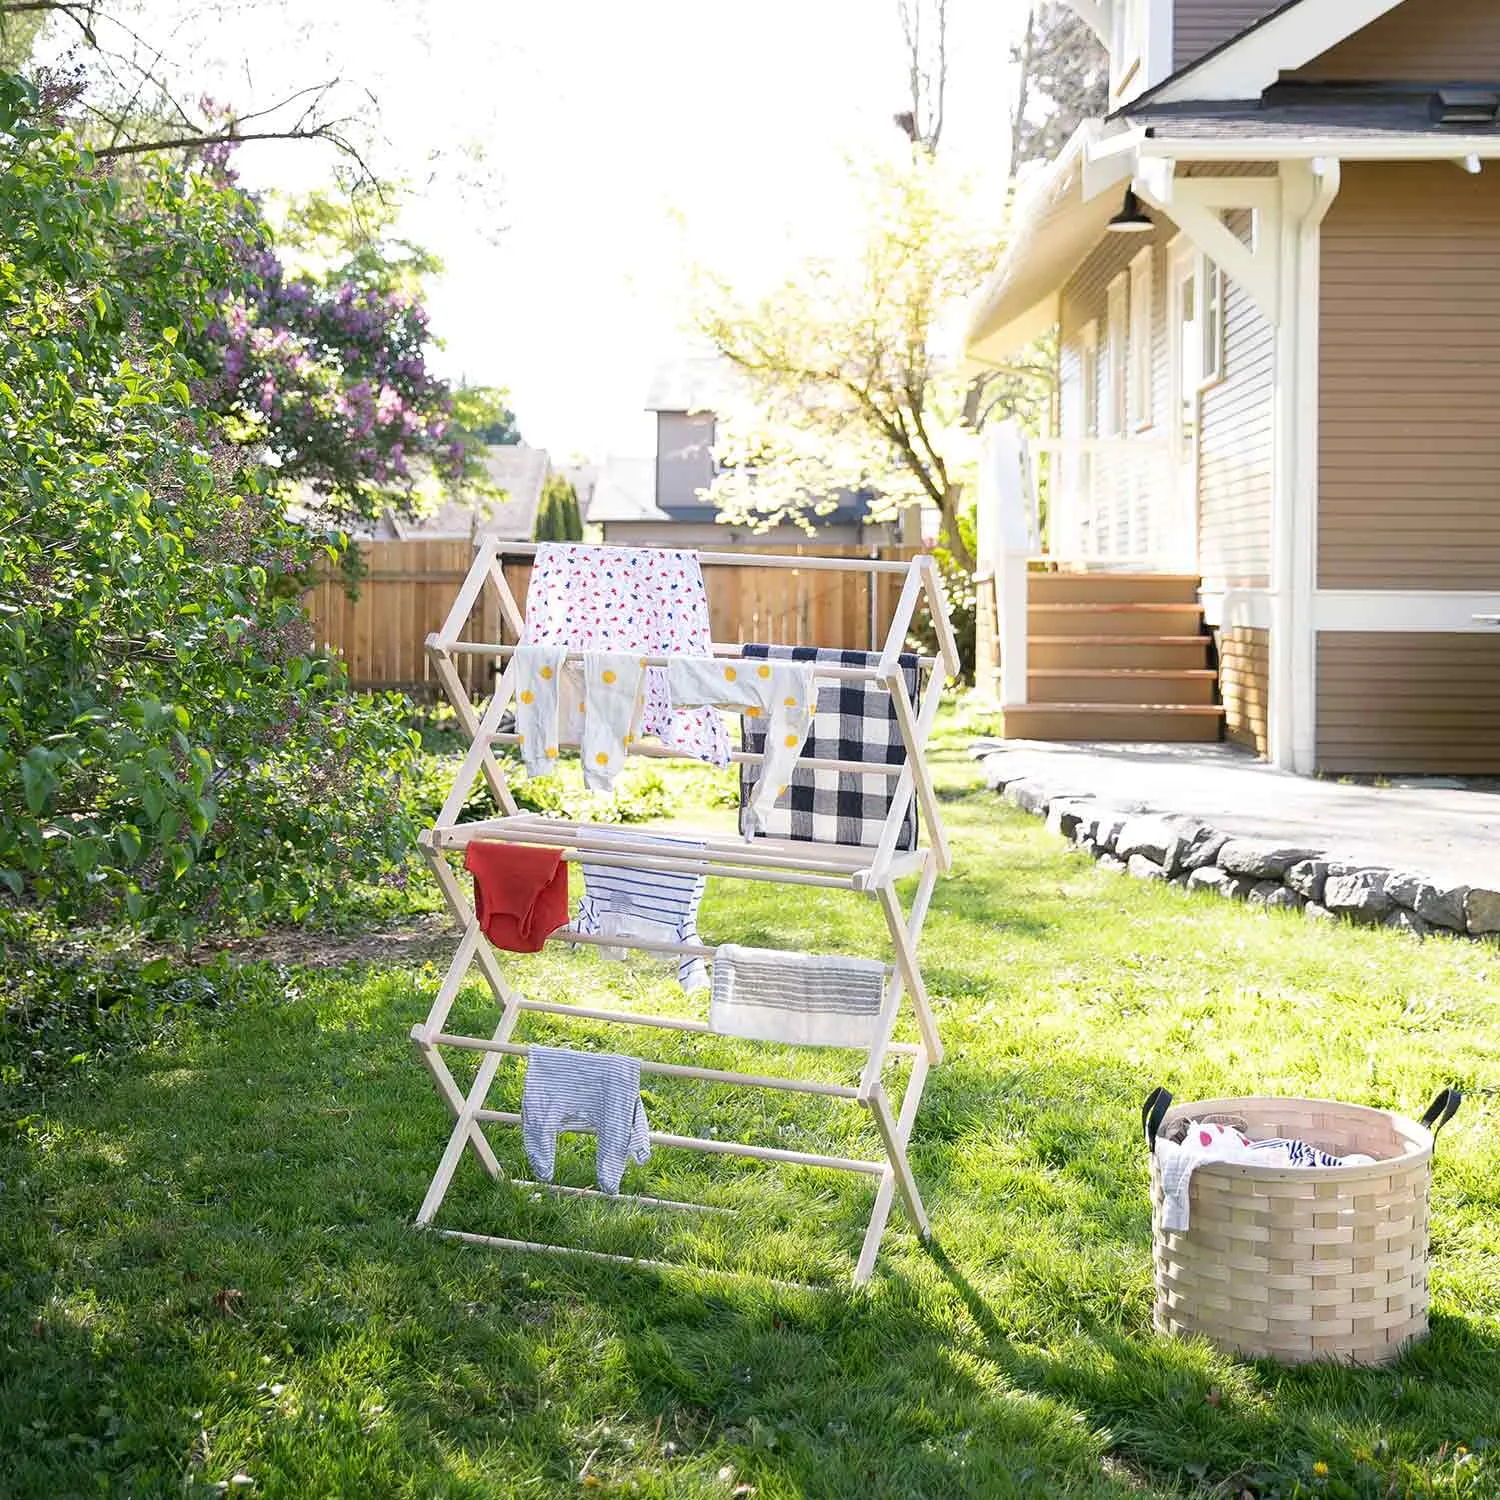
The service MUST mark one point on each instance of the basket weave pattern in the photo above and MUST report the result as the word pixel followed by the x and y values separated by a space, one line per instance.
pixel 1301 1264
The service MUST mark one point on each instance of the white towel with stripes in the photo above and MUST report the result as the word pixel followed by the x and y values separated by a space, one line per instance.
pixel 771 996
pixel 598 1091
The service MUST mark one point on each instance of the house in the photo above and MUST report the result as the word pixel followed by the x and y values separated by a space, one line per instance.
pixel 660 500
pixel 1273 486
pixel 517 470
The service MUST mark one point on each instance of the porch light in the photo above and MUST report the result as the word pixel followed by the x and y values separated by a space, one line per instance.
pixel 1132 218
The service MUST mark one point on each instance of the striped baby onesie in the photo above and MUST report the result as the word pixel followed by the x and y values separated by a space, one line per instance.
pixel 596 1091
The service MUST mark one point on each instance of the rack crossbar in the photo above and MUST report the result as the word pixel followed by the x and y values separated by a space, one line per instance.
pixel 719 1148
pixel 655 751
pixel 639 1262
pixel 507 550
pixel 668 1070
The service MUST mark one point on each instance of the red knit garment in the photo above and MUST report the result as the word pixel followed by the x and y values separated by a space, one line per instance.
pixel 520 893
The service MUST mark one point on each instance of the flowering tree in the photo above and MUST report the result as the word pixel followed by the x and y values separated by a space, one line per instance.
pixel 172 753
pixel 844 385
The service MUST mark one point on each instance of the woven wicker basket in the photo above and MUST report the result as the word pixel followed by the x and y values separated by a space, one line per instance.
pixel 1299 1264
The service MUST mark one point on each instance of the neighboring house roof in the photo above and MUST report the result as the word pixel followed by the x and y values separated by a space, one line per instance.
pixel 625 491
pixel 517 469
pixel 583 478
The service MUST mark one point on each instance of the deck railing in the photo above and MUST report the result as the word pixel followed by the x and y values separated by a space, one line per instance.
pixel 1112 501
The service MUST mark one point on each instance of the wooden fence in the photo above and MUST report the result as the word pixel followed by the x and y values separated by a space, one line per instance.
pixel 409 587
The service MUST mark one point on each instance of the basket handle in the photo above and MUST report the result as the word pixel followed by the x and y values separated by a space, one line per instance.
pixel 1442 1109
pixel 1154 1111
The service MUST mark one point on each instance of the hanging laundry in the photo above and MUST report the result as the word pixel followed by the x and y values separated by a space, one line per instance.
pixel 780 694
pixel 658 905
pixel 567 1090
pixel 1206 1142
pixel 613 683
pixel 540 693
pixel 770 996
pixel 649 601
pixel 852 721
pixel 520 893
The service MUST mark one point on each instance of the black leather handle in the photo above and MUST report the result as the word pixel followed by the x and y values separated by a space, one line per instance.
pixel 1153 1112
pixel 1442 1109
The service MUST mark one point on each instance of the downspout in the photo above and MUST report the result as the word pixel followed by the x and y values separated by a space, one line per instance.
pixel 1306 202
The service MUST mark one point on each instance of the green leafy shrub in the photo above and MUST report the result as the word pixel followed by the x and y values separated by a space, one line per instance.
pixel 173 754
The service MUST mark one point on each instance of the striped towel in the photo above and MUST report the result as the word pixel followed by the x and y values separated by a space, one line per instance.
pixel 659 905
pixel 568 1090
pixel 769 996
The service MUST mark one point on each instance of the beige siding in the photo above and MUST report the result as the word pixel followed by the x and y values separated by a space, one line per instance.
pixel 1417 703
pixel 1409 476
pixel 1235 450
pixel 1198 26
pixel 1245 686
pixel 1085 298
pixel 1420 41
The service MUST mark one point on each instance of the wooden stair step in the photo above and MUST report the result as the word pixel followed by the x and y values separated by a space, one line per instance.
pixel 1105 652
pixel 1096 684
pixel 1112 619
pixel 1126 588
pixel 1116 722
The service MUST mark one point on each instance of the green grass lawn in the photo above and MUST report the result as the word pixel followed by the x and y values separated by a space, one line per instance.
pixel 208 1275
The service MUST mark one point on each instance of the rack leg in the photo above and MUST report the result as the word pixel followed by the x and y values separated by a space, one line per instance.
pixel 886 1193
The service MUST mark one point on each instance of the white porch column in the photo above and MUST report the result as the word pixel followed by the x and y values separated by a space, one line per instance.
pixel 1005 499
pixel 1308 191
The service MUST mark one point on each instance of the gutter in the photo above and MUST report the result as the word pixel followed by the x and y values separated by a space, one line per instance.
pixel 1312 148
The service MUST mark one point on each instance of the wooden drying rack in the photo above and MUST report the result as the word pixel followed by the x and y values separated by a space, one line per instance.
pixel 870 870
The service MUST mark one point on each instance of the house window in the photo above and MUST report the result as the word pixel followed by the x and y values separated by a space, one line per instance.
pixel 1210 320
pixel 1138 385
pixel 1116 366
pixel 1089 376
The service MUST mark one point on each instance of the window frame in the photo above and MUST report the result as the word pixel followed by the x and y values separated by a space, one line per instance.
pixel 1113 408
pixel 1212 295
pixel 1140 378
pixel 1090 372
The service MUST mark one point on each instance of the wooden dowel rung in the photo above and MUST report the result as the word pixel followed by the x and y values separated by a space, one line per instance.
pixel 561 1190
pixel 721 1148
pixel 640 1262
pixel 811 564
pixel 621 1017
pixel 739 757
pixel 668 1070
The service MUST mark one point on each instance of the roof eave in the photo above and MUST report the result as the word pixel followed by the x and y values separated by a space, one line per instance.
pixel 1420 146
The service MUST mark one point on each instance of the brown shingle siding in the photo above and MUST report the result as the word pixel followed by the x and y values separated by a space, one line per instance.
pixel 1234 449
pixel 1198 26
pixel 1392 702
pixel 1420 41
pixel 1409 473
pixel 1245 684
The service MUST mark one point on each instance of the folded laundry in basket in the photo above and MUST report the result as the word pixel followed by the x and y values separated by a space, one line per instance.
pixel 1207 1142
pixel 567 1090
pixel 520 893
pixel 782 694
pixel 770 996
pixel 658 905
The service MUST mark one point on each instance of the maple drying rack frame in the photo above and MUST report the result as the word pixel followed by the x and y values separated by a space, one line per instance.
pixel 872 870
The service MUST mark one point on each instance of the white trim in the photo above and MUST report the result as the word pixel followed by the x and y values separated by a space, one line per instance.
pixel 1406 610
pixel 1237 609
pixel 1114 409
pixel 1140 382
pixel 1249 66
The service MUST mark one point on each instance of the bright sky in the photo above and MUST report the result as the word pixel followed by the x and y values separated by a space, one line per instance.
pixel 620 144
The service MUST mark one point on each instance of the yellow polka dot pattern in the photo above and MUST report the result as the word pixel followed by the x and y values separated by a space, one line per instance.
pixel 730 674
pixel 546 674
pixel 608 677
pixel 762 671
pixel 602 758
pixel 528 697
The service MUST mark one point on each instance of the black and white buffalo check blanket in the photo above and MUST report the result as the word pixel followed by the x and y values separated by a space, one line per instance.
pixel 854 721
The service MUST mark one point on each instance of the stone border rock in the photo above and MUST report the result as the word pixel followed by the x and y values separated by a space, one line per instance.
pixel 1189 853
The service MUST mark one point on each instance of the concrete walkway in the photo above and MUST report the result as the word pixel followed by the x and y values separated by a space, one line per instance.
pixel 1438 827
